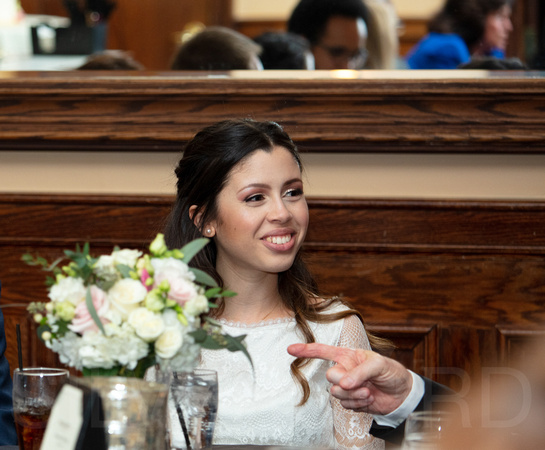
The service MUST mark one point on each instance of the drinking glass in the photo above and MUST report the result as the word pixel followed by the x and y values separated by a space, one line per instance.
pixel 424 430
pixel 34 392
pixel 193 406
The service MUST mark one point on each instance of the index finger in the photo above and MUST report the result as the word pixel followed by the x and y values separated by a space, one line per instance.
pixel 343 356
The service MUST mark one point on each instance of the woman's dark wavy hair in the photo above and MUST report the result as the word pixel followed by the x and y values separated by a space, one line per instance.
pixel 466 18
pixel 203 171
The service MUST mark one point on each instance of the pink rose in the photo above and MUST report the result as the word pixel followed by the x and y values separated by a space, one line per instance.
pixel 82 321
pixel 179 277
pixel 181 289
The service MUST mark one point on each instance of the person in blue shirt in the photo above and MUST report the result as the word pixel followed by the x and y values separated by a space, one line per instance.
pixel 461 30
pixel 7 425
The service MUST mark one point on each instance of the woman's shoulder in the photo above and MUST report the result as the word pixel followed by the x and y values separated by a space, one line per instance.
pixel 331 305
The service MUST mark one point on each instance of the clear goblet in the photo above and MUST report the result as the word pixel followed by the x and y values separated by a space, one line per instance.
pixel 424 430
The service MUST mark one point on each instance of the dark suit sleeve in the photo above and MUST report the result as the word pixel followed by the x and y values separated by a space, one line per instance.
pixel 7 426
pixel 433 392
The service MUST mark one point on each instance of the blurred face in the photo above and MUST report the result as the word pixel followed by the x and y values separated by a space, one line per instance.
pixel 342 45
pixel 497 28
pixel 262 215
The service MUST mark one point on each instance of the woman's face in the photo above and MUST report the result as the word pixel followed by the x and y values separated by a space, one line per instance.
pixel 262 214
pixel 497 28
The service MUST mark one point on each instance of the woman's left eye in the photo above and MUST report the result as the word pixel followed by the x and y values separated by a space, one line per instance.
pixel 294 192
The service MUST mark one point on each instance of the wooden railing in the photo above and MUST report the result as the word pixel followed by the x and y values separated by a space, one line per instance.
pixel 377 111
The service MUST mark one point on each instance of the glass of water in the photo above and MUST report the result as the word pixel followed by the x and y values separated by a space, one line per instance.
pixel 193 406
pixel 425 430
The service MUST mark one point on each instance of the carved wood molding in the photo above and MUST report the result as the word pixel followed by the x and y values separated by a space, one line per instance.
pixel 374 112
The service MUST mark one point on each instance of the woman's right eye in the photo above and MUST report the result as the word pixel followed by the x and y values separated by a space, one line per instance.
pixel 254 198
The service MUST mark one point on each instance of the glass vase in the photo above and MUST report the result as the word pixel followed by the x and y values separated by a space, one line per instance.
pixel 134 412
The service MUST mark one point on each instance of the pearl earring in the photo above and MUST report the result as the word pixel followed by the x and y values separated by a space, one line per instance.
pixel 208 231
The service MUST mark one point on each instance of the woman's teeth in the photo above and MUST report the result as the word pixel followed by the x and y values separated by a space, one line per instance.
pixel 279 239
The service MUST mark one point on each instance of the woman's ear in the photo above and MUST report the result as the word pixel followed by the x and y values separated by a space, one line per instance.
pixel 208 230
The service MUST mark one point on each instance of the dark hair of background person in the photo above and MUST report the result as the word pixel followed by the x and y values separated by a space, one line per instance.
pixel 493 63
pixel 283 50
pixel 217 48
pixel 466 18
pixel 202 173
pixel 309 18
pixel 111 60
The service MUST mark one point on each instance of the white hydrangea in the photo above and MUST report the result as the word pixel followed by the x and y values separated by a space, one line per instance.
pixel 67 349
pixel 125 346
pixel 68 289
pixel 185 359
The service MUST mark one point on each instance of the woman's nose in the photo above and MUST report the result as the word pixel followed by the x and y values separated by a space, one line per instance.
pixel 279 212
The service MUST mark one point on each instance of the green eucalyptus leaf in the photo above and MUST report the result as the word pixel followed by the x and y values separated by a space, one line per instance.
pixel 99 372
pixel 93 311
pixel 212 292
pixel 202 277
pixel 228 293
pixel 199 335
pixel 124 270
pixel 192 248
pixel 212 321
pixel 235 344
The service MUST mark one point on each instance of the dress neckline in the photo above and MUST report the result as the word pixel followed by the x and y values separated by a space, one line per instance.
pixel 262 323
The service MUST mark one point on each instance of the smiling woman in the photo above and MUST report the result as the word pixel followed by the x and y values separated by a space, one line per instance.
pixel 240 184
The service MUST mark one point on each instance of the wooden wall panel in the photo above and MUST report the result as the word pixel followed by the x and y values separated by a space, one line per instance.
pixel 375 112
pixel 456 285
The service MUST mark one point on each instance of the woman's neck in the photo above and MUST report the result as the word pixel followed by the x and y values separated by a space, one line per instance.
pixel 257 298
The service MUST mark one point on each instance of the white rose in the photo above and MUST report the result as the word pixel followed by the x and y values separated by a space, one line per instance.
pixel 126 294
pixel 104 267
pixel 126 257
pixel 147 325
pixel 169 342
pixel 68 289
pixel 196 306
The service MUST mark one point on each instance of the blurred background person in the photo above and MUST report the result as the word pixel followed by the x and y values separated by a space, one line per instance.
pixel 505 410
pixel 217 48
pixel 337 31
pixel 383 39
pixel 462 29
pixel 7 424
pixel 285 51
pixel 111 60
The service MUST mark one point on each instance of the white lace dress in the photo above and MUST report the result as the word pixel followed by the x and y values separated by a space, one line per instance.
pixel 260 407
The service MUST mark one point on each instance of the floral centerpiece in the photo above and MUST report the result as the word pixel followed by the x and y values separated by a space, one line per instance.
pixel 121 313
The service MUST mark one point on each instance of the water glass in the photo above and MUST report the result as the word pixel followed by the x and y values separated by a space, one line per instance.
pixel 425 430
pixel 193 406
pixel 34 392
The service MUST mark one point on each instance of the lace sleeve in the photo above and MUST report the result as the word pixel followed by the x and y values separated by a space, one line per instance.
pixel 352 428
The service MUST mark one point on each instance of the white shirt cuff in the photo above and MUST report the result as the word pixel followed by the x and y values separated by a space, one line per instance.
pixel 396 417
